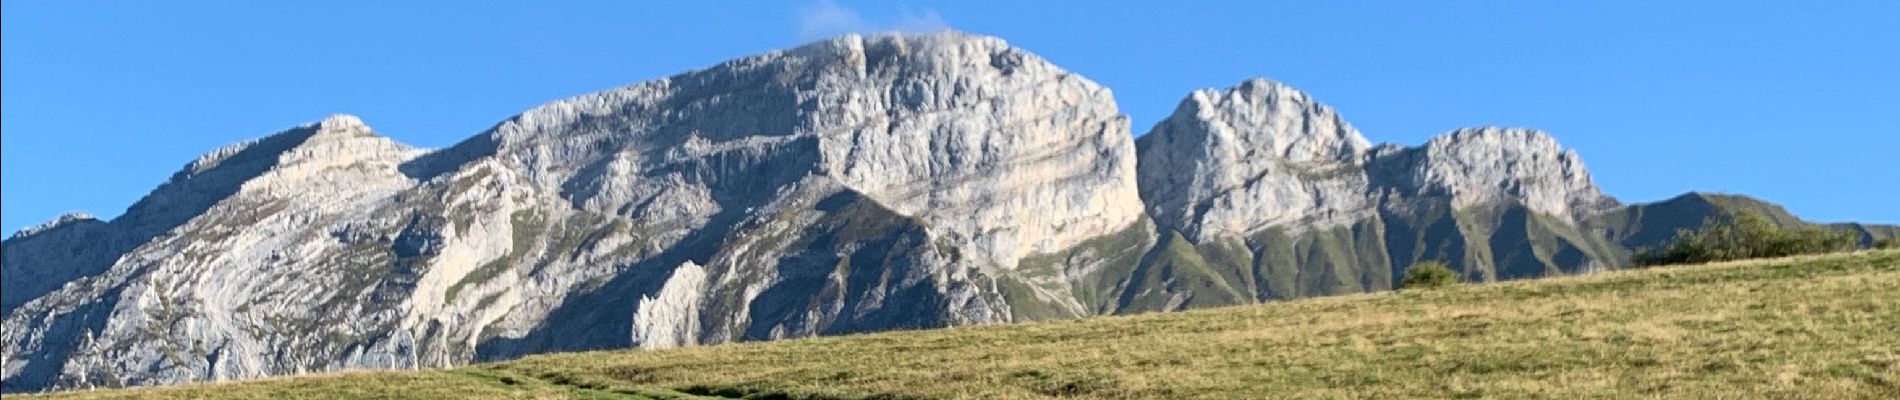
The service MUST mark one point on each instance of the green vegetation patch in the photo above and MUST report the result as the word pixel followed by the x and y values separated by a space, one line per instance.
pixel 1429 275
pixel 1745 235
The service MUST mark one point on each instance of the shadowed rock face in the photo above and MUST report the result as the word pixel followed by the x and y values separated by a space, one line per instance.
pixel 82 243
pixel 852 185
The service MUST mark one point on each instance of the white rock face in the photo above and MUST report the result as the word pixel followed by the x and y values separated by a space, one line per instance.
pixel 671 318
pixel 855 184
pixel 83 242
pixel 987 143
pixel 1010 152
pixel 852 185
pixel 1484 165
pixel 1278 189
pixel 214 285
pixel 1260 154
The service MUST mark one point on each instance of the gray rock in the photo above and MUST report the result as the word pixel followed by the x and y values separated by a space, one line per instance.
pixel 1258 155
pixel 1261 154
pixel 1488 165
pixel 1281 198
pixel 855 184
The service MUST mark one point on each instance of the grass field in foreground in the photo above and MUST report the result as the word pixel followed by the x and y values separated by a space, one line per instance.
pixel 1804 327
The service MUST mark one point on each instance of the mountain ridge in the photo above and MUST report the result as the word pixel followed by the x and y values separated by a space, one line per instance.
pixel 854 184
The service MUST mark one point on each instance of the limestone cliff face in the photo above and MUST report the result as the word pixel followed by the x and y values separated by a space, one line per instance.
pixel 249 249
pixel 1260 154
pixel 1280 197
pixel 1487 165
pixel 851 185
pixel 854 184
pixel 961 131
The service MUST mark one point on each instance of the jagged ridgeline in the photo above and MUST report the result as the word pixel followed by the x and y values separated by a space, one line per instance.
pixel 851 185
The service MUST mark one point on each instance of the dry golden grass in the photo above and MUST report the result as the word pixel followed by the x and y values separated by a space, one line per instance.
pixel 1804 327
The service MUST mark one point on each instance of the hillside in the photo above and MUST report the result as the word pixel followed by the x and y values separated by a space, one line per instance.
pixel 1654 224
pixel 1815 326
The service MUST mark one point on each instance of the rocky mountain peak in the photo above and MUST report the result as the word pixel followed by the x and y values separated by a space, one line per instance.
pixel 343 125
pixel 338 141
pixel 1516 139
pixel 344 140
pixel 1260 153
pixel 1261 118
pixel 1480 165
pixel 881 114
pixel 67 219
pixel 1297 126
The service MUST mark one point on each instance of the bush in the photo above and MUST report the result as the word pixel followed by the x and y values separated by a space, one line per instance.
pixel 1429 275
pixel 1888 243
pixel 1744 235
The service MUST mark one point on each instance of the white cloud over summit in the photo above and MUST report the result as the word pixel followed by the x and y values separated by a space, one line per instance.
pixel 826 18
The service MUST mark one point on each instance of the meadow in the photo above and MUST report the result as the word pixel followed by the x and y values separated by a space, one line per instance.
pixel 1823 326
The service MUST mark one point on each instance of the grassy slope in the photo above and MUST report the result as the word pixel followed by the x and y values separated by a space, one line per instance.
pixel 1823 326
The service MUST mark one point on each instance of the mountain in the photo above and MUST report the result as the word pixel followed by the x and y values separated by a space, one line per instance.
pixel 856 184
pixel 1653 225
pixel 851 185
pixel 1281 198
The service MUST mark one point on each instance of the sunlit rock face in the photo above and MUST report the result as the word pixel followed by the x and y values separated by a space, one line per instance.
pixel 854 184
pixel 1483 165
pixel 1260 154
pixel 857 184
pixel 1277 194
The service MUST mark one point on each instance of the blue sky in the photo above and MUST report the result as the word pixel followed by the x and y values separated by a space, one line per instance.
pixel 1794 102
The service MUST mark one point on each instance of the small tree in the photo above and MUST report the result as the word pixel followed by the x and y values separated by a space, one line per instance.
pixel 1429 275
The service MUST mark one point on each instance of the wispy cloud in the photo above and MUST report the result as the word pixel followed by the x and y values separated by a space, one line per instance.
pixel 826 18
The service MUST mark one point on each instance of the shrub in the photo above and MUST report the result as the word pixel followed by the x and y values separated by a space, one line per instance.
pixel 1429 275
pixel 1888 243
pixel 1744 235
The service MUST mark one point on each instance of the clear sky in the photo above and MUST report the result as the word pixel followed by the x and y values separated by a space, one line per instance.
pixel 1794 102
